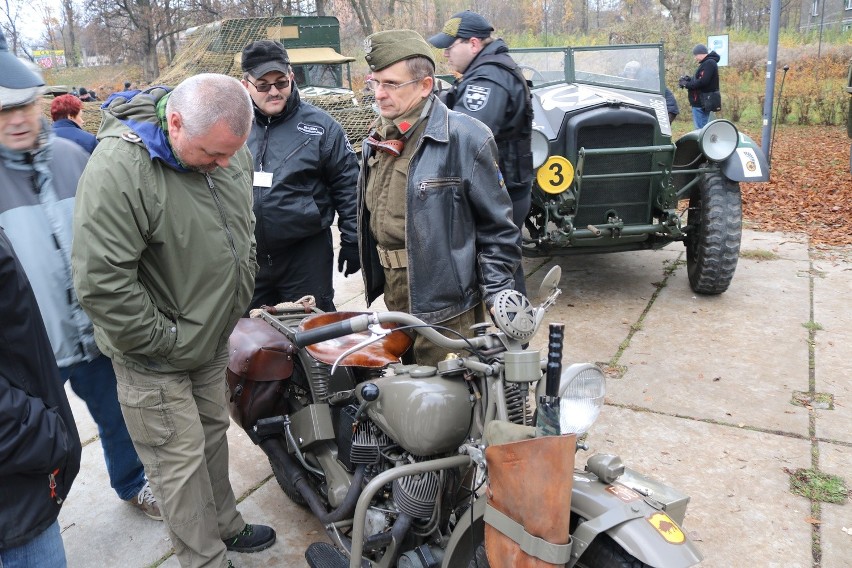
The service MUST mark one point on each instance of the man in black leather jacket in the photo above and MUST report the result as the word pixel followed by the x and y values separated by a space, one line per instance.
pixel 305 171
pixel 493 90
pixel 434 217
pixel 39 444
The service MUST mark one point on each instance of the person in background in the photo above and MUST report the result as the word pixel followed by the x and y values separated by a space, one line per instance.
pixel 650 80
pixel 84 94
pixel 38 177
pixel 39 444
pixel 164 262
pixel 493 90
pixel 434 217
pixel 705 81
pixel 67 114
pixel 305 170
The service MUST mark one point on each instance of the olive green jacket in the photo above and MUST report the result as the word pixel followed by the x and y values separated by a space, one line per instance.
pixel 163 258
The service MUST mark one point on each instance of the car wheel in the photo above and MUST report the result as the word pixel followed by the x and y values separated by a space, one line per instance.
pixel 714 230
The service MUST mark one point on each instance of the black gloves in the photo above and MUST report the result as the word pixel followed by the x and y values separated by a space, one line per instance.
pixel 348 256
pixel 683 81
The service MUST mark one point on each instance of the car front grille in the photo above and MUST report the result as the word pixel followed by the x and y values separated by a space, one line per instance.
pixel 629 197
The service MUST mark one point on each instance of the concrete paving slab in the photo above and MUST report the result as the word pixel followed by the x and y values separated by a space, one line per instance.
pixel 602 296
pixel 740 512
pixel 734 358
pixel 835 543
pixel 832 305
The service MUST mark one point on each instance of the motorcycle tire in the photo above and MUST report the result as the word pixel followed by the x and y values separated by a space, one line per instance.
pixel 289 489
pixel 603 553
pixel 606 553
pixel 479 560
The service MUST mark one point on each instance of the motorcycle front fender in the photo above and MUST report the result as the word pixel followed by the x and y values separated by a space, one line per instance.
pixel 645 532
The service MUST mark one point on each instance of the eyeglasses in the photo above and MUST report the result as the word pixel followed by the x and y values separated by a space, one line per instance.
pixel 266 87
pixel 373 85
pixel 457 42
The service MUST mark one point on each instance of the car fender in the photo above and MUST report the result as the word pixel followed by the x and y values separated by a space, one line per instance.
pixel 629 520
pixel 747 163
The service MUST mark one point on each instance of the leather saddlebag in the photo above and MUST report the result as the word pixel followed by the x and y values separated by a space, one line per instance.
pixel 259 364
pixel 529 502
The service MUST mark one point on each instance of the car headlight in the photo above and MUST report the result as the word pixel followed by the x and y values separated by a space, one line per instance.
pixel 582 388
pixel 718 140
pixel 540 147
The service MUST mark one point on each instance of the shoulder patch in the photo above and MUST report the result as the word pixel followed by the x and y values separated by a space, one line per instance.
pixel 476 97
pixel 349 146
pixel 131 136
pixel 311 129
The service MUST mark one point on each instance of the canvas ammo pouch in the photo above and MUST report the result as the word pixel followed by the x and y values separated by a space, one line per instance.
pixel 711 102
pixel 260 361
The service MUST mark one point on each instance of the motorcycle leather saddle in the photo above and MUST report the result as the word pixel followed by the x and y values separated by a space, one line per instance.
pixel 529 502
pixel 377 355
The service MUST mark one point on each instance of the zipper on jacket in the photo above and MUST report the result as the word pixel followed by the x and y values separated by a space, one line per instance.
pixel 259 225
pixel 302 145
pixel 52 484
pixel 442 182
pixel 227 232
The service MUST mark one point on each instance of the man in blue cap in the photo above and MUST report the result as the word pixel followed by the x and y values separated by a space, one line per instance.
pixel 493 90
pixel 39 174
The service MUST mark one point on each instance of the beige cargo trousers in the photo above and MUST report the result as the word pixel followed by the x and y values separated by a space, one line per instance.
pixel 178 424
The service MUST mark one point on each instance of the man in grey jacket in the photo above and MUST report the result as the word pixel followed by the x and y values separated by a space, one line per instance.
pixel 435 223
pixel 38 174
pixel 305 170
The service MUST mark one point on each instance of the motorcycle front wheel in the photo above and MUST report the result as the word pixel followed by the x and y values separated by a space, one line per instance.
pixel 602 553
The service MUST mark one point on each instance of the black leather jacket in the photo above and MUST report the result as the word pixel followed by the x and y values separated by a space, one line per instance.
pixel 460 240
pixel 315 171
pixel 494 91
pixel 39 444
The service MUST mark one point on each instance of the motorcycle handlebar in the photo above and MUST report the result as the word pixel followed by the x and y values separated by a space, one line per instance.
pixel 331 331
pixel 362 322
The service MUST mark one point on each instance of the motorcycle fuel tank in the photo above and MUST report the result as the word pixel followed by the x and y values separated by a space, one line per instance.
pixel 424 413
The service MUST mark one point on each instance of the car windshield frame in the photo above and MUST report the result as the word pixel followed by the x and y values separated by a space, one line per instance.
pixel 601 66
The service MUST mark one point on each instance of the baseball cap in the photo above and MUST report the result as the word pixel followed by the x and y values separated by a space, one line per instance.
pixel 262 56
pixel 463 25
pixel 19 85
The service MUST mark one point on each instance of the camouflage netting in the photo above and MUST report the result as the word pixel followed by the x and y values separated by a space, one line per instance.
pixel 216 48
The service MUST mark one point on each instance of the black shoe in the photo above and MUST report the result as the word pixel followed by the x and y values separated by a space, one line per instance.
pixel 253 538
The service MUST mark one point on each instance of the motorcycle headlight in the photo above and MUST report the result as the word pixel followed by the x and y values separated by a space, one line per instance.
pixel 582 388
pixel 540 147
pixel 718 140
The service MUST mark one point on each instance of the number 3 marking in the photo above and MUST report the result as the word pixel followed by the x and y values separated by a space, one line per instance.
pixel 555 175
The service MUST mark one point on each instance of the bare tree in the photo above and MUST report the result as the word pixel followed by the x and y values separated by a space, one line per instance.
pixel 680 11
pixel 68 33
pixel 10 16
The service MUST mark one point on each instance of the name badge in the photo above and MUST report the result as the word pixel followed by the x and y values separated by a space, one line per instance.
pixel 262 179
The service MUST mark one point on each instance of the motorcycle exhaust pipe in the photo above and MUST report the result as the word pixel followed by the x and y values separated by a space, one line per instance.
pixel 274 448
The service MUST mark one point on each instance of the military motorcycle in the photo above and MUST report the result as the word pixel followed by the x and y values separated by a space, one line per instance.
pixel 466 464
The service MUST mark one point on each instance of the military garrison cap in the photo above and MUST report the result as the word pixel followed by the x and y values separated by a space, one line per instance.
pixel 383 49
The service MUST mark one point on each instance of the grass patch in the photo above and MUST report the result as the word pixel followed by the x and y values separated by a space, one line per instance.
pixel 759 254
pixel 812 326
pixel 818 486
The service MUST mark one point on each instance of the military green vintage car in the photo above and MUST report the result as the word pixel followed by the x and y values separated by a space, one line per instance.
pixel 610 178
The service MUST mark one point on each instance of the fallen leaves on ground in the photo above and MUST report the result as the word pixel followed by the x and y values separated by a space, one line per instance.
pixel 810 187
